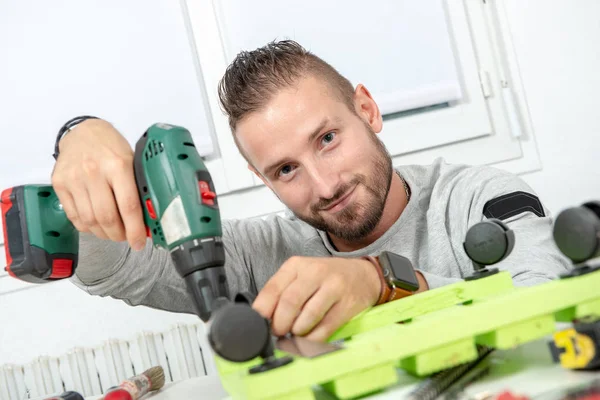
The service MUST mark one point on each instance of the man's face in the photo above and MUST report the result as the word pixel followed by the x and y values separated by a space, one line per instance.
pixel 322 160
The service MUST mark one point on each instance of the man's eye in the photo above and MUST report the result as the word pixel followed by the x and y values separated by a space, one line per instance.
pixel 328 137
pixel 286 169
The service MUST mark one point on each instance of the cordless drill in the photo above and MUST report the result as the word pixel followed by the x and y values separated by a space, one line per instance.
pixel 180 209
pixel 181 215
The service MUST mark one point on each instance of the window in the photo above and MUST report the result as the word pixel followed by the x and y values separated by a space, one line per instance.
pixel 470 109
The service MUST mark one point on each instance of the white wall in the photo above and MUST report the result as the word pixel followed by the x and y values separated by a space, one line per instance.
pixel 58 62
pixel 55 317
pixel 557 44
pixel 559 58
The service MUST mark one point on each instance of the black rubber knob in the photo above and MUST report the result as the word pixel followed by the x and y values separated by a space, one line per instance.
pixel 577 232
pixel 238 333
pixel 244 297
pixel 488 242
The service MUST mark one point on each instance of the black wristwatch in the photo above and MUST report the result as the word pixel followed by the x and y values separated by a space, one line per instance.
pixel 397 276
pixel 399 273
pixel 70 124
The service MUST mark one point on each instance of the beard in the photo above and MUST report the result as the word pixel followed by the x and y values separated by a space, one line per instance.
pixel 359 219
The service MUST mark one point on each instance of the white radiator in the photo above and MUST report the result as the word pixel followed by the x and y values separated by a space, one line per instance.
pixel 12 383
pixel 79 372
pixel 113 362
pixel 43 376
pixel 182 351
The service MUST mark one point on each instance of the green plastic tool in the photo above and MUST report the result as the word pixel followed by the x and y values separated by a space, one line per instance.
pixel 422 334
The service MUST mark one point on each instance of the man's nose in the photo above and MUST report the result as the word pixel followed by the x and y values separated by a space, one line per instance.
pixel 324 181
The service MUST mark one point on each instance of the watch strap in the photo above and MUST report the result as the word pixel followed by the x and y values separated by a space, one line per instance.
pixel 395 291
pixel 398 293
pixel 385 291
pixel 389 292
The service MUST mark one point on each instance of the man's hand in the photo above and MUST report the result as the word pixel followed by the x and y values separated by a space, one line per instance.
pixel 316 296
pixel 93 179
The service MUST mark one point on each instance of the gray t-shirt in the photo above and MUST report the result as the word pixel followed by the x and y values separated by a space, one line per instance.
pixel 446 200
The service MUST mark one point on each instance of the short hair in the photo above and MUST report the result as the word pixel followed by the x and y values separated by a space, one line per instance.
pixel 254 77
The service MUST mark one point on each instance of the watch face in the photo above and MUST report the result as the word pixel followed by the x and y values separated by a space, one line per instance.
pixel 403 273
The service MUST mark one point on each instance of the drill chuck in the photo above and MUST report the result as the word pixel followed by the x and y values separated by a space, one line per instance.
pixel 201 263
pixel 201 286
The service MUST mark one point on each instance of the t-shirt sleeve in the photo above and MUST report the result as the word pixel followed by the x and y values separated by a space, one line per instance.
pixel 535 257
pixel 148 277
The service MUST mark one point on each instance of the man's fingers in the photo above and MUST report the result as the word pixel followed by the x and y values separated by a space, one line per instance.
pixel 313 311
pixel 68 206
pixel 105 210
pixel 334 318
pixel 85 211
pixel 128 202
pixel 290 304
pixel 268 297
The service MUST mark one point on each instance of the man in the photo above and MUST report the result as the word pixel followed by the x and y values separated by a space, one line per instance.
pixel 312 139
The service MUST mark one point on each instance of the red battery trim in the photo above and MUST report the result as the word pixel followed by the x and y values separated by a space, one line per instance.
pixel 6 205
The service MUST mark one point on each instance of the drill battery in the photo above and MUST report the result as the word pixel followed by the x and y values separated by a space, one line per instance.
pixel 578 347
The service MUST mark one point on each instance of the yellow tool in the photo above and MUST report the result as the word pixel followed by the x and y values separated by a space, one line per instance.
pixel 578 347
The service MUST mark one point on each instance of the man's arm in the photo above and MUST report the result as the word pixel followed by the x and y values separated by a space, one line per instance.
pixel 147 277
pixel 535 257
pixel 254 250
pixel 476 194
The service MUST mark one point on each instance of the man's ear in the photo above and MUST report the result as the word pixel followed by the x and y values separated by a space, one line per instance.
pixel 262 178
pixel 367 108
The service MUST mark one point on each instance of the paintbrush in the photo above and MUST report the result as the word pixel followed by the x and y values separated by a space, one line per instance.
pixel 138 386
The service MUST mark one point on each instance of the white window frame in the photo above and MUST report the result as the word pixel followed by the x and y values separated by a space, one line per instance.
pixel 498 71
pixel 229 170
pixel 462 121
